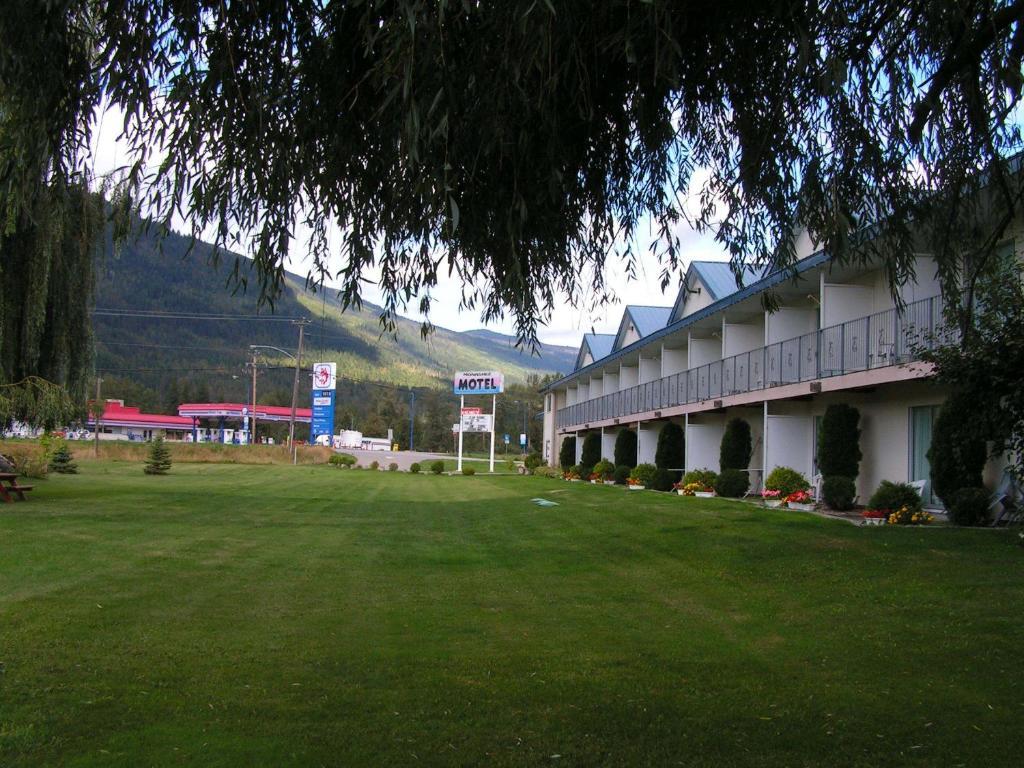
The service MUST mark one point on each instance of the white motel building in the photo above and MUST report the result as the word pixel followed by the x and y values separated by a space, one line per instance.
pixel 715 354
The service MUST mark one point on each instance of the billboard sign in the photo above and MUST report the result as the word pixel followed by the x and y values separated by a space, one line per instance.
pixel 325 376
pixel 478 383
pixel 476 422
pixel 323 414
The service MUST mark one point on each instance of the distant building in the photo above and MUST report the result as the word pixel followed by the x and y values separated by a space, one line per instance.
pixel 125 422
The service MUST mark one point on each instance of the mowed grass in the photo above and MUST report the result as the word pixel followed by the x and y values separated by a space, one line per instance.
pixel 275 615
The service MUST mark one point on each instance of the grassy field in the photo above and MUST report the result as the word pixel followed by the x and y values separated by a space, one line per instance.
pixel 273 615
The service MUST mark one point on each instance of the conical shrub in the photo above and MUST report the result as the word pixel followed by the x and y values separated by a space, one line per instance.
pixel 159 460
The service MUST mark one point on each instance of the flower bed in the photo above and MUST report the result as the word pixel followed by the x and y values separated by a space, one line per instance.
pixel 694 489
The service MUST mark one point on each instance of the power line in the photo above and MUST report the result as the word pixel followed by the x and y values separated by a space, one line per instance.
pixel 161 346
pixel 158 315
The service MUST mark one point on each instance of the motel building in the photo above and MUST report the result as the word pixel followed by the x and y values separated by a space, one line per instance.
pixel 716 354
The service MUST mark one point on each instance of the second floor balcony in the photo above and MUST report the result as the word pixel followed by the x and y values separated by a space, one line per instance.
pixel 892 337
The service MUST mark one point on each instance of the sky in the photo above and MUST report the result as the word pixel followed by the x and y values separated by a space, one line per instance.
pixel 565 327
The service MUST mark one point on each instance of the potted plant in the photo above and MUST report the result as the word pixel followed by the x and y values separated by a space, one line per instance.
pixel 874 516
pixel 704 492
pixel 780 484
pixel 605 472
pixel 595 478
pixel 801 500
pixel 572 475
pixel 640 476
pixel 772 497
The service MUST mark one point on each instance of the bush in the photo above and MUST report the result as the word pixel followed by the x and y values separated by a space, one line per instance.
pixel 392 467
pixel 786 481
pixel 585 472
pixel 892 496
pixel 838 492
pixel 374 465
pixel 736 448
pixel 621 474
pixel 732 483
pixel 545 471
pixel 643 474
pixel 437 467
pixel 567 453
pixel 61 462
pixel 591 451
pixel 468 471
pixel 662 480
pixel 839 442
pixel 357 466
pixel 625 449
pixel 705 477
pixel 671 450
pixel 342 460
pixel 605 469
pixel 415 468
pixel 532 461
pixel 957 458
pixel 970 506
pixel 159 460
pixel 29 463
pixel 575 471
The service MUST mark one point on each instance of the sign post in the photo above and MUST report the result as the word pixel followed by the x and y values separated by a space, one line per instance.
pixel 324 386
pixel 477 383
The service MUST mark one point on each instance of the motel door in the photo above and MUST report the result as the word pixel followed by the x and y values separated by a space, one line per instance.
pixel 922 419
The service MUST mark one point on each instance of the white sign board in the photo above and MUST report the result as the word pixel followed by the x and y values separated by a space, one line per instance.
pixel 476 422
pixel 325 375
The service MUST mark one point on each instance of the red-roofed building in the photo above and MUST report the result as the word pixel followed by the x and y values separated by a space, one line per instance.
pixel 126 422
pixel 223 413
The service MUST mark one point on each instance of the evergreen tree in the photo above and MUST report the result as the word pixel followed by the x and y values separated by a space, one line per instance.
pixel 839 442
pixel 591 452
pixel 671 451
pixel 957 454
pixel 625 448
pixel 159 460
pixel 62 462
pixel 736 447
pixel 567 453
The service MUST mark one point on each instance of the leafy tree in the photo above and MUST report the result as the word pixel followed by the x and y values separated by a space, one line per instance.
pixel 590 454
pixel 567 453
pixel 523 140
pixel 839 442
pixel 670 452
pixel 625 448
pixel 736 448
pixel 159 460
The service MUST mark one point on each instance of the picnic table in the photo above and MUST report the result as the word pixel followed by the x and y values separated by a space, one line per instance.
pixel 9 485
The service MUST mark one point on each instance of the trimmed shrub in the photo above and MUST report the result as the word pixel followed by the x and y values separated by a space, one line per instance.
pixel 159 460
pixel 374 465
pixel 585 472
pixel 567 453
pixel 625 449
pixel 956 456
pixel 341 460
pixel 839 442
pixel 545 471
pixel 533 460
pixel 970 506
pixel 671 450
pixel 703 476
pixel 392 467
pixel 736 448
pixel 468 471
pixel 893 496
pixel 838 492
pixel 61 462
pixel 590 454
pixel 643 473
pixel 662 480
pixel 437 467
pixel 574 470
pixel 415 468
pixel 621 474
pixel 605 469
pixel 732 483
pixel 786 481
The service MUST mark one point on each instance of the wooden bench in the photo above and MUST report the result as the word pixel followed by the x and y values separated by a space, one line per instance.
pixel 9 485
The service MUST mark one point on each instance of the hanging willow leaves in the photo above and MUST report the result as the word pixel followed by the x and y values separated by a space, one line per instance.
pixel 520 144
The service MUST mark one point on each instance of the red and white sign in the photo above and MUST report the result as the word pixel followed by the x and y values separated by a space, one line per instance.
pixel 472 411
pixel 324 375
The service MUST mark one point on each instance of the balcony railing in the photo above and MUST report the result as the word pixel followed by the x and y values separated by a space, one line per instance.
pixel 876 341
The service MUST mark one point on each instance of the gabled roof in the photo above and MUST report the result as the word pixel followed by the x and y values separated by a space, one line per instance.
pixel 597 344
pixel 117 414
pixel 717 278
pixel 645 319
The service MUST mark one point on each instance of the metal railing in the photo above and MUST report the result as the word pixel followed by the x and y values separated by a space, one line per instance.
pixel 886 338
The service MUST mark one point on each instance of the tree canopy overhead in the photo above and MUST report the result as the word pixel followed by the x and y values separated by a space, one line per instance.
pixel 521 143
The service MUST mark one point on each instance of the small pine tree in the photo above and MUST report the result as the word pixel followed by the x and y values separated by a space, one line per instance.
pixel 567 453
pixel 159 460
pixel 591 451
pixel 839 442
pixel 671 450
pixel 625 449
pixel 61 462
pixel 736 447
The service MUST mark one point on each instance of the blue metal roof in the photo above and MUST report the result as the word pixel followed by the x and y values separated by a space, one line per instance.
pixel 598 344
pixel 753 289
pixel 649 319
pixel 720 280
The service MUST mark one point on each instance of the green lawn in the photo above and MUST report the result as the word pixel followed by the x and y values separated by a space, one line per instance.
pixel 257 615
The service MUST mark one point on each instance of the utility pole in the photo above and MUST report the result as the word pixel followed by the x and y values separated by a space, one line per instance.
pixel 295 391
pixel 412 414
pixel 97 412
pixel 252 413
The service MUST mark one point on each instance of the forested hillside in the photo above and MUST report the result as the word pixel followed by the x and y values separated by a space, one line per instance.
pixel 157 362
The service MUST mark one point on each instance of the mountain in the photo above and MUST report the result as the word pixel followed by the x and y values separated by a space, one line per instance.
pixel 143 276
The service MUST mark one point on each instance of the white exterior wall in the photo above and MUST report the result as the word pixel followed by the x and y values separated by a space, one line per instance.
pixel 650 369
pixel 628 376
pixel 596 387
pixel 673 360
pixel 840 303
pixel 788 323
pixel 647 442
pixel 608 436
pixel 695 302
pixel 704 441
pixel 738 338
pixel 611 382
pixel 703 351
